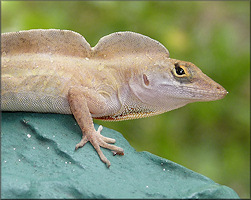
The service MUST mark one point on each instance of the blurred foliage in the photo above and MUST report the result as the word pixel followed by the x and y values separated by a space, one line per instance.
pixel 211 138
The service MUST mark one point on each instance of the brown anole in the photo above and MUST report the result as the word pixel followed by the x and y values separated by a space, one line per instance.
pixel 125 76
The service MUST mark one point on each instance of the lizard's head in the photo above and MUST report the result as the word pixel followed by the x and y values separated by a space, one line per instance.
pixel 174 83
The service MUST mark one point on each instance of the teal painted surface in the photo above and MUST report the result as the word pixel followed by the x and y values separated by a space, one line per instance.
pixel 39 161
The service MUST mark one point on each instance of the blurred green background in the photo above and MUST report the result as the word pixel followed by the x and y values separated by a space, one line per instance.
pixel 211 138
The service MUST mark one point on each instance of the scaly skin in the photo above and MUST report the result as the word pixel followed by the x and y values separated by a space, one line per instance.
pixel 125 76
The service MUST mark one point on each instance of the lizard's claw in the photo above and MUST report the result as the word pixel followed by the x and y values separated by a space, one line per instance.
pixel 97 140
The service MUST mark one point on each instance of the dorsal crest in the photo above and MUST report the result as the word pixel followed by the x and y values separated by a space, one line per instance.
pixel 123 43
pixel 69 43
pixel 53 41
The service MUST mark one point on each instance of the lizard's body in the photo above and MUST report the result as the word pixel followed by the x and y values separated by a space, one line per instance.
pixel 125 76
pixel 51 83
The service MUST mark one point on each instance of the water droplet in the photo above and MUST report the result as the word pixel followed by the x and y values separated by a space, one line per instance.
pixel 19 160
pixel 14 149
pixel 147 186
pixel 48 147
pixel 164 169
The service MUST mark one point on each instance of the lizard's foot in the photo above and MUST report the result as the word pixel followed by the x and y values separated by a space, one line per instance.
pixel 97 140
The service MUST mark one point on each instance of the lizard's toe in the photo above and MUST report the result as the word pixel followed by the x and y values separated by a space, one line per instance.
pixel 97 140
pixel 105 139
pixel 108 140
pixel 83 141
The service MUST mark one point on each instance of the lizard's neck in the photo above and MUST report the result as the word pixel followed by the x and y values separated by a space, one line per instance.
pixel 132 107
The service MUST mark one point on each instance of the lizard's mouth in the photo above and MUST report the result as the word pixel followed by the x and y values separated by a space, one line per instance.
pixel 209 92
pixel 198 94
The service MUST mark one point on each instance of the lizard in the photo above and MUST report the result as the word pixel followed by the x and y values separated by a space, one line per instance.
pixel 126 75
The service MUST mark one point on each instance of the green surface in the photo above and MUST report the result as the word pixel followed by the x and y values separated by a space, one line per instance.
pixel 212 138
pixel 39 161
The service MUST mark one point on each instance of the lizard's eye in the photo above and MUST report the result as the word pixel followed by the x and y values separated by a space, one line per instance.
pixel 182 73
pixel 180 70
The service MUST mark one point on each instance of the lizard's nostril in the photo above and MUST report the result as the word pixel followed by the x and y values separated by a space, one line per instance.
pixel 221 90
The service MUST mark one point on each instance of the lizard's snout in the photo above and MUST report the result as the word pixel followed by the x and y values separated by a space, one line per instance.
pixel 214 91
pixel 221 91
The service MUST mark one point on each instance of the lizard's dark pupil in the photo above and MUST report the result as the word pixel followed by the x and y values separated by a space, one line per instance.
pixel 179 70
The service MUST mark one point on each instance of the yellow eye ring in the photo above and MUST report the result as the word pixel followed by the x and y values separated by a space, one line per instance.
pixel 180 70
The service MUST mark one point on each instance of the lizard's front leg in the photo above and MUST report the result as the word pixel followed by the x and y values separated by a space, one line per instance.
pixel 83 102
